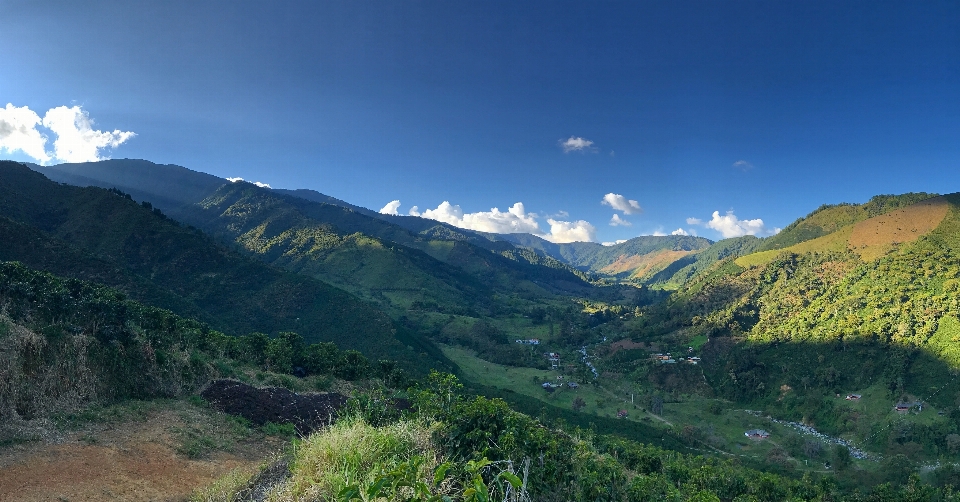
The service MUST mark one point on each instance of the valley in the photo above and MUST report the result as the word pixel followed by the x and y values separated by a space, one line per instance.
pixel 119 288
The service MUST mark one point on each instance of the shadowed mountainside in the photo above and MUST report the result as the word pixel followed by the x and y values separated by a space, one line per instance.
pixel 96 234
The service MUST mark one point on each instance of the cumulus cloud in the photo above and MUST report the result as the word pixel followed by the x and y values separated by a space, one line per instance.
pixel 729 225
pixel 391 207
pixel 614 243
pixel 694 221
pixel 742 165
pixel 679 231
pixel 259 184
pixel 577 144
pixel 621 203
pixel 76 139
pixel 617 221
pixel 515 219
pixel 18 132
pixel 570 231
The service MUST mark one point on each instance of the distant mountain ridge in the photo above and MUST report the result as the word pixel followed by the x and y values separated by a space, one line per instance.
pixel 376 256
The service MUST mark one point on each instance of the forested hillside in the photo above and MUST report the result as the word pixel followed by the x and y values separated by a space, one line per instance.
pixel 96 234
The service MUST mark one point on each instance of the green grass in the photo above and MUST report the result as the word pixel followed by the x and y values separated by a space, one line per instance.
pixel 352 452
pixel 528 382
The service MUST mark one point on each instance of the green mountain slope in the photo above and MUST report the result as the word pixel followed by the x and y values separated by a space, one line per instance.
pixel 831 217
pixel 882 297
pixel 174 189
pixel 688 267
pixel 369 255
pixel 615 259
pixel 92 233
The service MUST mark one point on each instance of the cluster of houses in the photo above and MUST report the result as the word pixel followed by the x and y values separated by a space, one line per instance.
pixel 531 341
pixel 550 386
pixel 669 359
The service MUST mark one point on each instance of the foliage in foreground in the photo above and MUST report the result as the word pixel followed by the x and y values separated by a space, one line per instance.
pixel 456 448
pixel 66 343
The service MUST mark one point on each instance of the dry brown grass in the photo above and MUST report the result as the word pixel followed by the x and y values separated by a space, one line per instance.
pixel 131 460
pixel 642 265
pixel 875 237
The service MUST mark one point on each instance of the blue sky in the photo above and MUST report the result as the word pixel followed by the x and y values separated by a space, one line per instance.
pixel 766 109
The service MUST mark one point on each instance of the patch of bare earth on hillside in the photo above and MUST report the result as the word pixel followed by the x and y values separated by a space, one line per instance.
pixel 136 458
pixel 642 265
pixel 872 238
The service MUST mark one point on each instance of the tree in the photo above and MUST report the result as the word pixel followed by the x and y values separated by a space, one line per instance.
pixel 578 403
pixel 656 405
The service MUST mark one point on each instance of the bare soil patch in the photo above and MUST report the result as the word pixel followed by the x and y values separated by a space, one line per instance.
pixel 641 265
pixel 136 458
pixel 873 237
pixel 626 344
pixel 307 412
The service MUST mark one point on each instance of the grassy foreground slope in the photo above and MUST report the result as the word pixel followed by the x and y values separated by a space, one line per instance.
pixel 92 233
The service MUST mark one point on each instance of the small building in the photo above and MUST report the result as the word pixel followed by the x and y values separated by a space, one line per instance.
pixel 903 407
pixel 692 360
pixel 668 361
pixel 853 397
pixel 757 434
pixel 573 385
pixel 532 341
pixel 621 413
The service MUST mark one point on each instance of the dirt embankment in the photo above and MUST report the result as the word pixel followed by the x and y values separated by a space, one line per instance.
pixel 307 412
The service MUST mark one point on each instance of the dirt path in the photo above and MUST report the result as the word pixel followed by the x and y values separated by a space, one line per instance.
pixel 132 460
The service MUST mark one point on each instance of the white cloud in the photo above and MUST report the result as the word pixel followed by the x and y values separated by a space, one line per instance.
pixel 730 226
pixel 659 233
pixel 617 221
pixel 621 203
pixel 76 139
pixel 578 144
pixel 259 184
pixel 679 231
pixel 514 220
pixel 18 131
pixel 742 165
pixel 570 231
pixel 614 243
pixel 391 207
